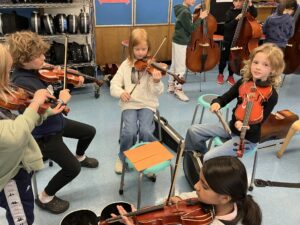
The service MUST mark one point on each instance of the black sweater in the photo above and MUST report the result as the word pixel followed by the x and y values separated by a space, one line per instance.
pixel 231 22
pixel 253 134
pixel 29 80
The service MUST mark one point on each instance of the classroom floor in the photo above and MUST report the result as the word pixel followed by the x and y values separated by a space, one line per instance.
pixel 95 188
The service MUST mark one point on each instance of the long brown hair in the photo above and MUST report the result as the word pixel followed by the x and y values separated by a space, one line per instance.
pixel 137 36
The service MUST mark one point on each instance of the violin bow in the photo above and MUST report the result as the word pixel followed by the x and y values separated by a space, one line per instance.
pixel 139 78
pixel 65 61
pixel 178 157
pixel 223 122
pixel 161 44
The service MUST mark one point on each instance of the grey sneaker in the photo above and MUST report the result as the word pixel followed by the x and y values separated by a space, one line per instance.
pixel 181 95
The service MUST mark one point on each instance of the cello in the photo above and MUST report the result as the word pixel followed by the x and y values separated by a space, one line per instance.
pixel 202 52
pixel 293 49
pixel 245 39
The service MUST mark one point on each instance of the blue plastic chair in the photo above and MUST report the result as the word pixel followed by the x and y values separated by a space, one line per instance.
pixel 205 101
pixel 149 171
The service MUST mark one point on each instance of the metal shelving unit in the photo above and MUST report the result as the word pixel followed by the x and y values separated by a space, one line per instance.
pixel 40 5
pixel 84 4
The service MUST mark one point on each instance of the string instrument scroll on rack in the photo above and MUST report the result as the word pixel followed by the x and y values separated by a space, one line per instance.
pixel 245 39
pixel 203 54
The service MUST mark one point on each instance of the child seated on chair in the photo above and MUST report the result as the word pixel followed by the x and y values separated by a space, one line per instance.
pixel 223 184
pixel 138 92
pixel 263 69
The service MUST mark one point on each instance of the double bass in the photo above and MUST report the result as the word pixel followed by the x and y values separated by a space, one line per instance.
pixel 245 39
pixel 203 53
pixel 292 49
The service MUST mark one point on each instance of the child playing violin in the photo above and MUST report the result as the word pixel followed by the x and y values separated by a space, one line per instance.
pixel 183 30
pixel 223 184
pixel 19 153
pixel 138 92
pixel 233 15
pixel 27 50
pixel 264 69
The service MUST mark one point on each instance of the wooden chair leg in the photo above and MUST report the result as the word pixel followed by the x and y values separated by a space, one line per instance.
pixel 286 142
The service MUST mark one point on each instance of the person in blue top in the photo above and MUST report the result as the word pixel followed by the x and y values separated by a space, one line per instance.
pixel 279 27
pixel 27 50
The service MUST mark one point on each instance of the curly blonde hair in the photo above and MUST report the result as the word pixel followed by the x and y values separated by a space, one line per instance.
pixel 276 58
pixel 4 73
pixel 25 46
pixel 137 36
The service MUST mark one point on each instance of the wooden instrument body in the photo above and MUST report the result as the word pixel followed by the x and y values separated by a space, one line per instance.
pixel 203 53
pixel 277 125
pixel 248 39
pixel 292 50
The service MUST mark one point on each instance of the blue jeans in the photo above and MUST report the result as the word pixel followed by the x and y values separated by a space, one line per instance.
pixel 136 121
pixel 198 134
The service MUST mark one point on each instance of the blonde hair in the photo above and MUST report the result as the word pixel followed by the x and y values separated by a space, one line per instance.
pixel 25 46
pixel 276 58
pixel 4 73
pixel 137 36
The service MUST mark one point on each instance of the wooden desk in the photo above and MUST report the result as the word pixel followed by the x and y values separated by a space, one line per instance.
pixel 263 12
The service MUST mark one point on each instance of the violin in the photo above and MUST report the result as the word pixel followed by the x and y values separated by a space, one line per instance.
pixel 21 99
pixel 250 111
pixel 250 92
pixel 150 66
pixel 50 74
pixel 186 212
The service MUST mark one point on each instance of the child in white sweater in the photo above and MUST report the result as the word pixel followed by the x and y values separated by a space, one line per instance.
pixel 138 92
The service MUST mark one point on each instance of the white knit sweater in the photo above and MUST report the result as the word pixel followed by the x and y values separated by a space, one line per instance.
pixel 146 93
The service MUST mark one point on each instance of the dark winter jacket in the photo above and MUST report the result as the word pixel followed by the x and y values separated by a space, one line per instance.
pixel 29 80
pixel 231 22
